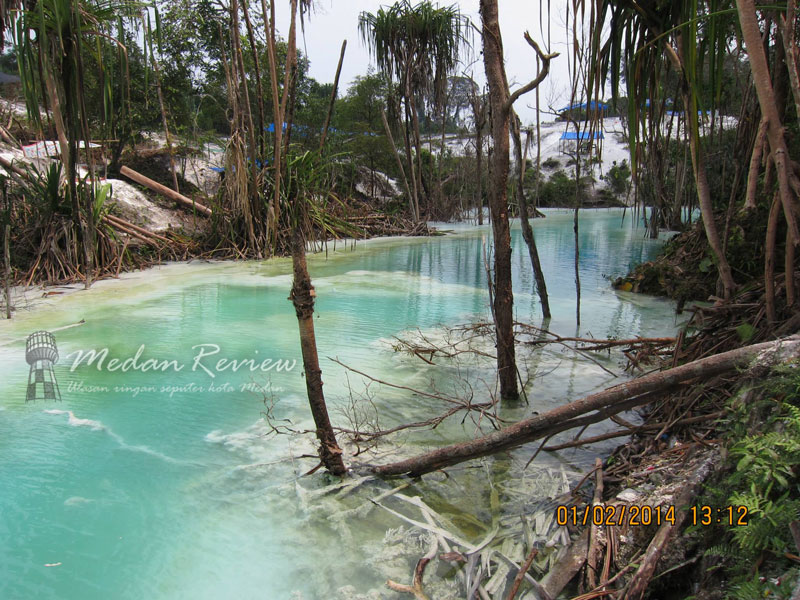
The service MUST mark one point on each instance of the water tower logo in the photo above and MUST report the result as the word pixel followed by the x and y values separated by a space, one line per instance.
pixel 41 354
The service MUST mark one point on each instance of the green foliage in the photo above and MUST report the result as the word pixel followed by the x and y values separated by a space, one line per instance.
pixel 758 589
pixel 618 178
pixel 745 331
pixel 764 476
pixel 551 163
pixel 101 196
pixel 420 42
pixel 45 190
pixel 557 190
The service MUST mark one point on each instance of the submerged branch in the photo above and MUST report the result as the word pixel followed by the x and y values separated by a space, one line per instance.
pixel 602 404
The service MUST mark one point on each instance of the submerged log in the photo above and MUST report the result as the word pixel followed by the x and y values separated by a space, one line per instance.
pixel 164 190
pixel 603 404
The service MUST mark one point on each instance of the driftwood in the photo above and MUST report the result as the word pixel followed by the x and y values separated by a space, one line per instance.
pixel 164 190
pixel 601 405
pixel 566 569
pixel 129 232
pixel 637 586
pixel 593 554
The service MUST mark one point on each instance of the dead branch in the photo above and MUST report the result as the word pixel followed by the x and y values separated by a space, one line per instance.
pixel 593 554
pixel 603 404
pixel 416 588
pixel 521 573
pixel 563 572
pixel 479 410
pixel 634 430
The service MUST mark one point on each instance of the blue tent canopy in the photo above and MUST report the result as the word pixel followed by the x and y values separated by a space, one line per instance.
pixel 593 105
pixel 584 135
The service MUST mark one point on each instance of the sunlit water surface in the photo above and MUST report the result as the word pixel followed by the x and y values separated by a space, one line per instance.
pixel 166 484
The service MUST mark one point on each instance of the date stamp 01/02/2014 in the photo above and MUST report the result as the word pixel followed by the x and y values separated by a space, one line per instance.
pixel 605 515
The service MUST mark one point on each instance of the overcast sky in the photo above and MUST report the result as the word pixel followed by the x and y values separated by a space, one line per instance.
pixel 335 20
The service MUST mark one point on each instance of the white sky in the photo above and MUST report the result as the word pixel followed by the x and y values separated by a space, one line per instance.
pixel 335 20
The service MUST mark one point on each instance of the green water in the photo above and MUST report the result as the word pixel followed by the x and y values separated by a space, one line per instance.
pixel 166 484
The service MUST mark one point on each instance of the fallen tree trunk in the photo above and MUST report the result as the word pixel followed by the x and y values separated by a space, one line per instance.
pixel 130 232
pixel 164 190
pixel 603 404
pixel 116 220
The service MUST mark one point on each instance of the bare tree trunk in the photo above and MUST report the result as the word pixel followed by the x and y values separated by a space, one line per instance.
pixel 792 51
pixel 769 260
pixel 277 112
pixel 399 163
pixel 701 180
pixel 7 260
pixel 755 166
pixel 68 73
pixel 418 146
pixel 479 117
pixel 791 288
pixel 157 73
pixel 498 203
pixel 257 64
pixel 410 161
pixel 575 231
pixel 706 206
pixel 243 120
pixel 302 297
pixel 527 230
pixel 479 166
pixel 787 182
pixel 593 408
pixel 333 96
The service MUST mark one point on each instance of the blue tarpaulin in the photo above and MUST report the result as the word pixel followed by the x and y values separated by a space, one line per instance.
pixel 584 135
pixel 582 105
pixel 298 128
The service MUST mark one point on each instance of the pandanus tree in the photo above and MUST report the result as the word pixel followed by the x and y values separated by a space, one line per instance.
pixel 641 42
pixel 692 38
pixel 51 39
pixel 417 47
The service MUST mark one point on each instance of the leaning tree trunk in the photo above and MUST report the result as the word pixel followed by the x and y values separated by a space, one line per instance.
pixel 302 297
pixel 162 106
pixel 701 178
pixel 479 167
pixel 527 230
pixel 7 261
pixel 498 203
pixel 399 163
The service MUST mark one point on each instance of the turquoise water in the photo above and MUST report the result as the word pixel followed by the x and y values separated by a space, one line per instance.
pixel 166 483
